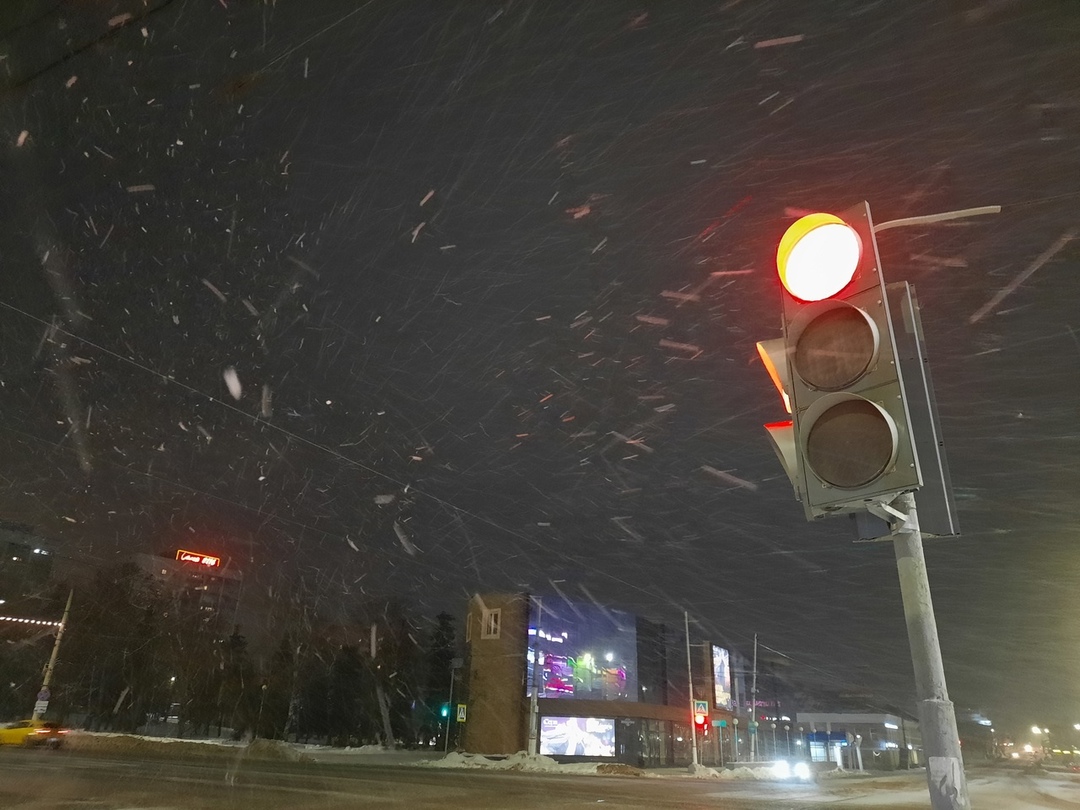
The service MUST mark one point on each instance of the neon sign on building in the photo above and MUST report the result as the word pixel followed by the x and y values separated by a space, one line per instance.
pixel 208 560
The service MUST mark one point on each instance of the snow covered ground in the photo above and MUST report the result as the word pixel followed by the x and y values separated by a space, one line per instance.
pixel 990 788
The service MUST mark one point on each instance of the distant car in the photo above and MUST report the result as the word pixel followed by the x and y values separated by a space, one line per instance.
pixel 29 733
pixel 791 772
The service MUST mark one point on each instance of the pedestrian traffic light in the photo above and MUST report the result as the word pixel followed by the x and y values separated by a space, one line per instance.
pixel 444 710
pixel 849 440
pixel 700 720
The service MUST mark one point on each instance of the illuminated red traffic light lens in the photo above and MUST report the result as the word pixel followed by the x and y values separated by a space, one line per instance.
pixel 818 257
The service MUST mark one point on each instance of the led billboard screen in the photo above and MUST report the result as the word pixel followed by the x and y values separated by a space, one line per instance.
pixel 721 667
pixel 585 652
pixel 577 736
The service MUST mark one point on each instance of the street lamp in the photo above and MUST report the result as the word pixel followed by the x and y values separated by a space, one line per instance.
pixel 787 731
pixel 773 726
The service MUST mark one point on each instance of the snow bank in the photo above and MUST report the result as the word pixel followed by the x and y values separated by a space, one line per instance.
pixel 522 761
pixel 363 750
pixel 94 742
pixel 739 773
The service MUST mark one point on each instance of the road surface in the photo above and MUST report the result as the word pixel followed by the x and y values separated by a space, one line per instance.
pixel 59 780
pixel 65 780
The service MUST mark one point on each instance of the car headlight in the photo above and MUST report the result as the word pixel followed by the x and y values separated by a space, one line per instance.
pixel 781 770
pixel 802 770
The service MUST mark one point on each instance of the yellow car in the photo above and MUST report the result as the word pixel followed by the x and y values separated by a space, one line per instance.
pixel 29 733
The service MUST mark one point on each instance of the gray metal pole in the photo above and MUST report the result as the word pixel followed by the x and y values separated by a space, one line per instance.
pixel 690 683
pixel 937 719
pixel 49 667
pixel 753 709
pixel 449 711
pixel 534 698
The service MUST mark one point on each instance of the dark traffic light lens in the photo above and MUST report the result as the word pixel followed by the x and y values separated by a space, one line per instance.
pixel 836 348
pixel 851 444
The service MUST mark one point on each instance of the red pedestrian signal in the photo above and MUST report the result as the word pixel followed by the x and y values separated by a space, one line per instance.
pixel 699 720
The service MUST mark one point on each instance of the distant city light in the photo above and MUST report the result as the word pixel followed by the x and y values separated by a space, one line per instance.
pixel 198 557
pixel 19 620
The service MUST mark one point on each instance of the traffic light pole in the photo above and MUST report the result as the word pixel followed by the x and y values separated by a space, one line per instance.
pixel 937 718
pixel 534 696
pixel 449 711
pixel 690 686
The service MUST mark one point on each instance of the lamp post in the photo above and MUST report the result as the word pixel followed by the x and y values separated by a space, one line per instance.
pixel 787 731
pixel 43 695
pixel 773 726
pixel 735 736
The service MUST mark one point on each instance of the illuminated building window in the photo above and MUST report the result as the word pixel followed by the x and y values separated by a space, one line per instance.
pixel 491 623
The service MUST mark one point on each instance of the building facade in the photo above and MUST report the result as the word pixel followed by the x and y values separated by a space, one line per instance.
pixel 582 681
pixel 861 740
pixel 26 569
pixel 197 582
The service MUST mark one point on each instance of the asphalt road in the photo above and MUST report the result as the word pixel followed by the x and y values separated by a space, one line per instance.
pixel 59 780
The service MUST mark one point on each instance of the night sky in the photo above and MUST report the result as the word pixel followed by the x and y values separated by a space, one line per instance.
pixel 423 299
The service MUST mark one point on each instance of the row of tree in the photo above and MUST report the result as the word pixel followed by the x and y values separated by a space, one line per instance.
pixel 138 658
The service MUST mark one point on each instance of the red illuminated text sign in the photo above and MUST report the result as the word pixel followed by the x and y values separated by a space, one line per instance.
pixel 196 557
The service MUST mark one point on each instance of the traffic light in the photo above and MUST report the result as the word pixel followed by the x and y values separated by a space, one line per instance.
pixel 444 710
pixel 849 440
pixel 700 720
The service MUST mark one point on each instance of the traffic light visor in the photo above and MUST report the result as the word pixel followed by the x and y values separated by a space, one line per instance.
pixel 818 256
